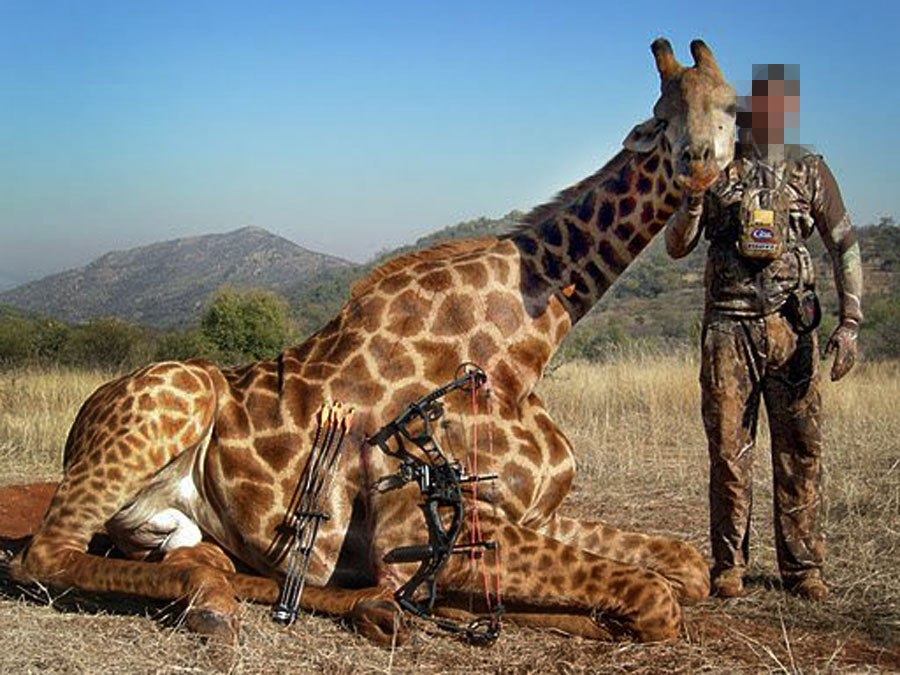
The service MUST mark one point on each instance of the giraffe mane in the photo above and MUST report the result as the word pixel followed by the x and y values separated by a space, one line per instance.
pixel 566 197
pixel 440 251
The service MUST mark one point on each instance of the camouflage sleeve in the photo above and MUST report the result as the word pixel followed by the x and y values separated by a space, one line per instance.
pixel 684 226
pixel 837 233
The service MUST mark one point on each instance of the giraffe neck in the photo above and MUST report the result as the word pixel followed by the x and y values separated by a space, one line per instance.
pixel 574 248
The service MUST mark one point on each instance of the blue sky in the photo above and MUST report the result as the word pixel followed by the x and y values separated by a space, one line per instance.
pixel 351 127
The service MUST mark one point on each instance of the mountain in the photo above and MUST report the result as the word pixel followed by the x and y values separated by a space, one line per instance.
pixel 166 284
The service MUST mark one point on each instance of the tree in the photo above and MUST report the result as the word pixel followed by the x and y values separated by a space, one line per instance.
pixel 107 343
pixel 245 325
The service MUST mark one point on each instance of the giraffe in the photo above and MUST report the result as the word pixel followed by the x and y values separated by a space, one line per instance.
pixel 189 466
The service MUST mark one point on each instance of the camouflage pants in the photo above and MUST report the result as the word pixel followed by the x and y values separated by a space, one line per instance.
pixel 743 361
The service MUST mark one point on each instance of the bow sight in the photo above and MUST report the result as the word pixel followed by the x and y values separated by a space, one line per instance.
pixel 439 481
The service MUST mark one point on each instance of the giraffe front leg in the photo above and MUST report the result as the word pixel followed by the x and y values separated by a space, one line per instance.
pixel 542 576
pixel 212 609
pixel 679 562
pixel 371 610
pixel 57 562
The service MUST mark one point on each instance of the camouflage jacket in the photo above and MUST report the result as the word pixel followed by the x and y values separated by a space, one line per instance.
pixel 740 286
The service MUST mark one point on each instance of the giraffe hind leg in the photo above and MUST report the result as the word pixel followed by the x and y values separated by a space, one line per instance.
pixel 679 562
pixel 542 576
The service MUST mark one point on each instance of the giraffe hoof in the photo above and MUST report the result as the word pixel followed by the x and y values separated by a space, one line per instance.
pixel 222 628
pixel 381 621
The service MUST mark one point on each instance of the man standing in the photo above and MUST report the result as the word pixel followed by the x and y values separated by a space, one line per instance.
pixel 759 339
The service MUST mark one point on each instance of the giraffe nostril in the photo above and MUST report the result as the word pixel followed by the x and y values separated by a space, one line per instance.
pixel 707 153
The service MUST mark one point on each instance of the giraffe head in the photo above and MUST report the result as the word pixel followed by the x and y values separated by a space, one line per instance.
pixel 694 118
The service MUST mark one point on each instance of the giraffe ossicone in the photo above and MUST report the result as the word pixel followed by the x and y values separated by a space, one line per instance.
pixel 178 448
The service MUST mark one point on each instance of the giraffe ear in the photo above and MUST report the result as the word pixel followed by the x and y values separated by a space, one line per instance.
pixel 644 136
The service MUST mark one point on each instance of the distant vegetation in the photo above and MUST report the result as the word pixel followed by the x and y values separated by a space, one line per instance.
pixel 655 306
pixel 238 326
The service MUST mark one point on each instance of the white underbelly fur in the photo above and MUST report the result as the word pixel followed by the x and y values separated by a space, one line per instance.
pixel 163 515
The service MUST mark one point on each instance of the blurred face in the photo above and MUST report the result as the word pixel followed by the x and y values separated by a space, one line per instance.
pixel 773 107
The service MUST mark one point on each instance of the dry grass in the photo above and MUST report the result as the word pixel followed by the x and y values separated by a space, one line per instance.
pixel 642 459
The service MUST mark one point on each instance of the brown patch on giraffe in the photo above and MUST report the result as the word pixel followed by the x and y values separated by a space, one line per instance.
pixel 237 462
pixel 172 402
pixel 626 206
pixel 624 231
pixel 264 409
pixel 318 371
pixel 250 500
pixel 428 266
pixel 370 312
pixel 391 358
pixel 482 348
pixel 392 284
pixel 455 316
pixel 337 350
pixel 474 274
pixel 125 451
pixel 505 381
pixel 644 184
pixel 511 535
pixel 499 268
pixel 638 244
pixel 651 163
pixel 440 359
pixel 531 452
pixel 524 435
pixel 241 377
pixel 407 313
pixel 661 186
pixel 558 448
pixel 186 381
pixel 276 451
pixel 555 491
pixel 267 381
pixel 145 402
pixel 355 384
pixel 519 481
pixel 329 330
pixel 163 368
pixel 611 257
pixel 532 353
pixel 168 425
pixel 579 576
pixel 437 281
pixel 504 311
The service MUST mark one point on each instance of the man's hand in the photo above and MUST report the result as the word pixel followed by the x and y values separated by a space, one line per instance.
pixel 843 344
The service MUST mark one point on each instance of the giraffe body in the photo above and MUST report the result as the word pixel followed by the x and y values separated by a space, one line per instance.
pixel 180 461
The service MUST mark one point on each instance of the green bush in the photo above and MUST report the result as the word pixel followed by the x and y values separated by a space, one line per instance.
pixel 17 336
pixel 880 334
pixel 184 345
pixel 245 325
pixel 107 343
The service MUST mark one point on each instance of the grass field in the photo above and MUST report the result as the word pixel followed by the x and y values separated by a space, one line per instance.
pixel 642 465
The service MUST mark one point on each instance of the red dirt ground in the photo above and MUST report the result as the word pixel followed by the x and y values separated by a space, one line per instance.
pixel 22 507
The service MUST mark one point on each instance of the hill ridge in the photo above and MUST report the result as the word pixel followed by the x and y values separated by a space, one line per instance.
pixel 164 284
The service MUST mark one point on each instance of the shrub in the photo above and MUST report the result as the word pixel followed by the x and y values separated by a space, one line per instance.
pixel 247 325
pixel 107 343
